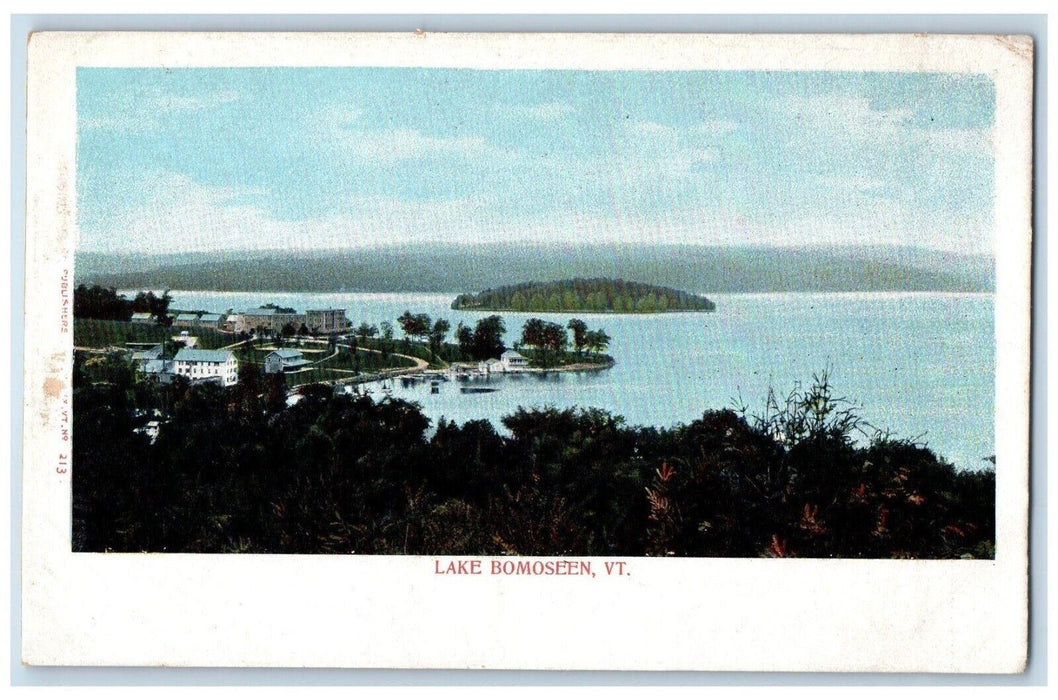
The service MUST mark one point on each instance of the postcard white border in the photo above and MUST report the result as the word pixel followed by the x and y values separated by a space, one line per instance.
pixel 392 612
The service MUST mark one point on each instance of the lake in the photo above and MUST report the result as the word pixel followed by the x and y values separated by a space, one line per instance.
pixel 918 364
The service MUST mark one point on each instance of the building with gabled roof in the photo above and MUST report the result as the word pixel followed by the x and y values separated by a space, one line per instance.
pixel 141 357
pixel 186 320
pixel 207 365
pixel 514 361
pixel 283 360
pixel 160 370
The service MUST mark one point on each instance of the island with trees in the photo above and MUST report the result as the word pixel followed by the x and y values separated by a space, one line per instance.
pixel 584 295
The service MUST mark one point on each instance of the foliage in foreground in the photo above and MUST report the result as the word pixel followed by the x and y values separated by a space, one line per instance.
pixel 236 471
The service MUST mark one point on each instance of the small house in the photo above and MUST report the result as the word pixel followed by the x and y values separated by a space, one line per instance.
pixel 283 360
pixel 143 317
pixel 210 320
pixel 142 357
pixel 185 320
pixel 159 370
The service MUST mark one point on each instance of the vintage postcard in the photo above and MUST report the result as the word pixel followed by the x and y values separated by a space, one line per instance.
pixel 668 352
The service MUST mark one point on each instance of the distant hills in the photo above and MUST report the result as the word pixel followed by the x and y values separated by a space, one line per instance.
pixel 591 295
pixel 466 268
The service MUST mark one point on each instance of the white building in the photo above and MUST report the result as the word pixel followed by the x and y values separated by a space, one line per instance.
pixel 143 317
pixel 513 361
pixel 207 365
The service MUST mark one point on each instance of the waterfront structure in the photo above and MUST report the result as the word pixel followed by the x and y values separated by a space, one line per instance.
pixel 207 365
pixel 514 361
pixel 283 360
pixel 210 320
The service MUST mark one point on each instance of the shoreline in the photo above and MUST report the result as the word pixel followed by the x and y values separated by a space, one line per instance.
pixel 394 373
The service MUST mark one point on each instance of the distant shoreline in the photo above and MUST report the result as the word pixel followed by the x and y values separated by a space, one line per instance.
pixel 459 268
pixel 448 295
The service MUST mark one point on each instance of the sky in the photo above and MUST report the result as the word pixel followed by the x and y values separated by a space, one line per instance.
pixel 184 160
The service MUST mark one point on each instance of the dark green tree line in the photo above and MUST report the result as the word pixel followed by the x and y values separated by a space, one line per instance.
pixel 237 470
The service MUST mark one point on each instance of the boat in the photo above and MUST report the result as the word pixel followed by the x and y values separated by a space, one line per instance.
pixel 477 389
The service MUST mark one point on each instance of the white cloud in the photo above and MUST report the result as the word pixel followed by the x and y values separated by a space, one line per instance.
pixel 549 111
pixel 651 130
pixel 962 140
pixel 715 127
pixel 186 103
pixel 845 118
pixel 339 116
pixel 842 114
pixel 123 123
pixel 183 216
pixel 403 144
pixel 338 142
pixel 142 115
pixel 852 183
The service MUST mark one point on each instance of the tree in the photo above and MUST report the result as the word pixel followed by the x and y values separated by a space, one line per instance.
pixel 554 339
pixel 597 341
pixel 546 336
pixel 580 334
pixel 488 338
pixel 365 330
pixel 437 334
pixel 100 302
pixel 465 338
pixel 276 392
pixel 533 332
pixel 354 350
pixel 417 326
pixel 387 338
